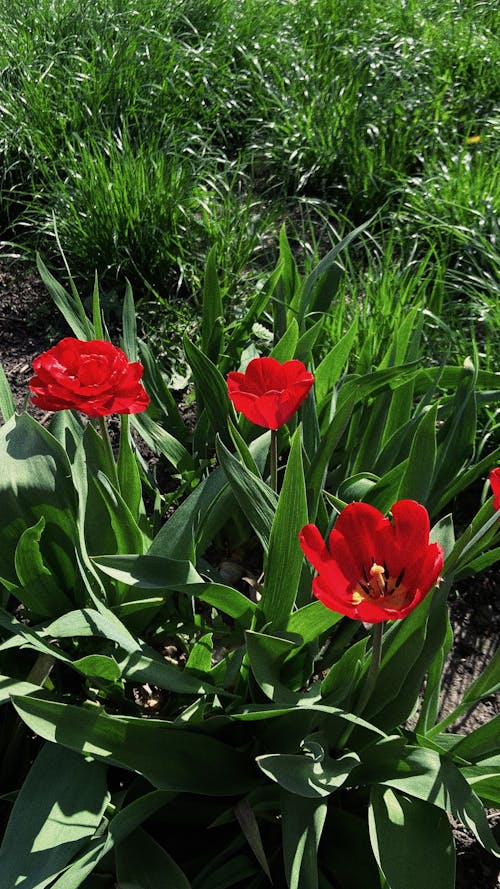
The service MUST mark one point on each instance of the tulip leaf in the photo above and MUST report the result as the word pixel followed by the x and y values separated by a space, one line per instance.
pixel 7 407
pixel 128 470
pixel 35 482
pixel 417 478
pixel 303 820
pixel 427 776
pixel 481 742
pixel 313 776
pixel 284 350
pixel 57 810
pixel 39 590
pixel 211 388
pixel 402 832
pixel 328 372
pixel 169 755
pixel 266 655
pixel 98 666
pixel 256 499
pixel 212 330
pixel 311 621
pixel 285 558
pixel 141 861
pixel 183 530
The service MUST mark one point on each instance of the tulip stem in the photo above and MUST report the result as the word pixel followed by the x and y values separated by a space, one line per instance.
pixel 370 681
pixel 273 460
pixel 110 457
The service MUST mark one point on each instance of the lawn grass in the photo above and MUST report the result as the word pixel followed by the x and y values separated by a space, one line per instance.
pixel 149 131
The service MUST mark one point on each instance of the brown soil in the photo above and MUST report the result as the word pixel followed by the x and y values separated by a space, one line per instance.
pixel 29 324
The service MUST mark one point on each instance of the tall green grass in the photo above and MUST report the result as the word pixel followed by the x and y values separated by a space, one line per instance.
pixel 150 130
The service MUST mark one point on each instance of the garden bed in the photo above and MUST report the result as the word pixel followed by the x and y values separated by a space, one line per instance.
pixel 28 326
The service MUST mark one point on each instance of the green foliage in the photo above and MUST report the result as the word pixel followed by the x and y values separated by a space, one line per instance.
pixel 206 725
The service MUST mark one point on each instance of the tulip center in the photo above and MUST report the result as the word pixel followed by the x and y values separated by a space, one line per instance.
pixel 378 583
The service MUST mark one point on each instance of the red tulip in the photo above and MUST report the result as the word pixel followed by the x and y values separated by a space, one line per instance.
pixel 495 487
pixel 93 377
pixel 374 569
pixel 269 393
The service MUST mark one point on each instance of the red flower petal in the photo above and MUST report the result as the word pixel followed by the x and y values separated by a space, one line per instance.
pixel 94 377
pixel 495 487
pixel 374 570
pixel 269 393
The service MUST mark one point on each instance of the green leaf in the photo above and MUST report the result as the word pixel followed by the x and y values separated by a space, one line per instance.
pixel 35 482
pixel 71 307
pixel 128 471
pixel 200 656
pixel 302 824
pixel 7 408
pixel 39 590
pixel 142 862
pixel 284 350
pixel 211 388
pixel 170 756
pixel 328 372
pixel 404 831
pixel 57 810
pixel 256 499
pixel 417 479
pixel 312 621
pixel 314 775
pixel 129 324
pixel 98 666
pixel 266 655
pixel 212 311
pixel 482 742
pixel 285 558
pixel 434 779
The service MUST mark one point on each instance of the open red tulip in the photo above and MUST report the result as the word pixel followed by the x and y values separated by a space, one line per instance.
pixel 269 393
pixel 495 487
pixel 91 376
pixel 374 569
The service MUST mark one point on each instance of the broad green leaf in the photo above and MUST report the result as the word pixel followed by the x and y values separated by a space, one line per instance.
pixel 211 388
pixel 161 396
pixel 10 686
pixel 128 471
pixel 56 812
pixel 404 831
pixel 142 862
pixel 310 287
pixel 328 372
pixel 255 498
pixel 148 572
pixel 417 479
pixel 120 827
pixel 308 775
pixel 284 350
pixel 170 756
pixel 35 482
pixel 302 824
pixel 312 621
pixel 176 539
pixel 7 408
pixel 200 656
pixel 98 666
pixel 434 779
pixel 38 590
pixel 285 558
pixel 71 307
pixel 266 655
pixel 486 685
pixel 482 742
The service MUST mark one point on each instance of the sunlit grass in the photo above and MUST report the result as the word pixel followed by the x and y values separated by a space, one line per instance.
pixel 151 131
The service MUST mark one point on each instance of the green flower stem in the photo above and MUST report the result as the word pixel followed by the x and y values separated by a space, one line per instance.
pixel 273 460
pixel 371 678
pixel 110 458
